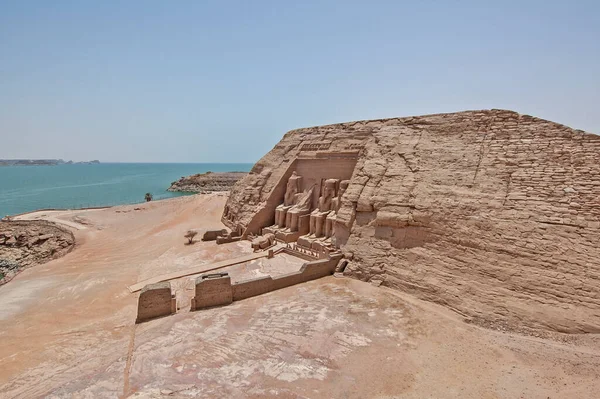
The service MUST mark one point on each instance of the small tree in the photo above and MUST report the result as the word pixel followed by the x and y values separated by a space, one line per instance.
pixel 190 236
pixel 148 197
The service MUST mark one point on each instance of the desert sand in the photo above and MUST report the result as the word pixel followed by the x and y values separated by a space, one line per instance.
pixel 68 328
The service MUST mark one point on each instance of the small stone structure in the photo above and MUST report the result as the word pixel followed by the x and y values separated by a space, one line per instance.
pixel 212 290
pixel 212 235
pixel 156 300
pixel 215 290
pixel 263 242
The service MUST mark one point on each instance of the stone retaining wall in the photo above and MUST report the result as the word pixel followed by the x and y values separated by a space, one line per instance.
pixel 212 290
pixel 156 300
pixel 219 290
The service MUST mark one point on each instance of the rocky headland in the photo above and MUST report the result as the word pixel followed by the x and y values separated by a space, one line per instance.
pixel 207 182
pixel 28 243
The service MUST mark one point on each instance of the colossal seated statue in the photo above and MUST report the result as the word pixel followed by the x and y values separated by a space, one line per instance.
pixel 336 203
pixel 289 199
pixel 318 216
pixel 301 208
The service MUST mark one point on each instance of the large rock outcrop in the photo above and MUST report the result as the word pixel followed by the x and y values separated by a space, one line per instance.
pixel 208 182
pixel 26 243
pixel 491 213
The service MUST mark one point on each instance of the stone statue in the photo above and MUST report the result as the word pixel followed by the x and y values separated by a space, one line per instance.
pixel 291 191
pixel 336 203
pixel 317 217
pixel 301 208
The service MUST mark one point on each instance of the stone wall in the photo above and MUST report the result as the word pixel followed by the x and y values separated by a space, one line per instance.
pixel 493 214
pixel 212 290
pixel 220 291
pixel 156 300
pixel 309 271
pixel 212 235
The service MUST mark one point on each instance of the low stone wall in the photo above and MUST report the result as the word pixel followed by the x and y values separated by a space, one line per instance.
pixel 156 300
pixel 212 235
pixel 212 290
pixel 220 291
pixel 297 253
pixel 228 238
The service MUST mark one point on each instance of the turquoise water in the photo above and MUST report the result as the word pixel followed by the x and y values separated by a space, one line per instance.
pixel 27 188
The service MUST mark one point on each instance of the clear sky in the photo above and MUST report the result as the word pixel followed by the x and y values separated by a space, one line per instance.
pixel 222 81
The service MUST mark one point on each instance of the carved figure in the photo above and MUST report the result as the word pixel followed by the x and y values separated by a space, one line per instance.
pixel 317 217
pixel 301 208
pixel 336 203
pixel 291 191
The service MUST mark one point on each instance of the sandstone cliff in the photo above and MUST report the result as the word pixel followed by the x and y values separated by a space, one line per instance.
pixel 27 243
pixel 207 182
pixel 491 213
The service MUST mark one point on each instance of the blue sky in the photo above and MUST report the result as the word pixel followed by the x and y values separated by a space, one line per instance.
pixel 222 81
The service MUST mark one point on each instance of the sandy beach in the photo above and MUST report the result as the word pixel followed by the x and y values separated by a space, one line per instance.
pixel 67 327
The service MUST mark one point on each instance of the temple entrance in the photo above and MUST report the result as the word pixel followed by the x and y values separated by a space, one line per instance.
pixel 306 217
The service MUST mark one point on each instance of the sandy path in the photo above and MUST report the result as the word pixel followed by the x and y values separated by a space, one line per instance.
pixel 59 217
pixel 67 330
pixel 73 314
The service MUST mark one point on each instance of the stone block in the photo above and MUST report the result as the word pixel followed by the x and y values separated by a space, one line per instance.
pixel 156 300
pixel 212 290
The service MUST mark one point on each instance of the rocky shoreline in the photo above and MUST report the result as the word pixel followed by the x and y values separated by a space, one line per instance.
pixel 207 182
pixel 26 243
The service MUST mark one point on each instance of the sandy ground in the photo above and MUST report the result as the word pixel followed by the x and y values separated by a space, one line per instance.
pixel 67 329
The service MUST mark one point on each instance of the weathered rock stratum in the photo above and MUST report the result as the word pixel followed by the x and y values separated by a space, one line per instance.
pixel 28 243
pixel 491 213
pixel 207 182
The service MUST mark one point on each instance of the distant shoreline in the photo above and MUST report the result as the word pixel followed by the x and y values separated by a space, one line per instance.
pixel 43 162
pixel 184 194
pixel 61 210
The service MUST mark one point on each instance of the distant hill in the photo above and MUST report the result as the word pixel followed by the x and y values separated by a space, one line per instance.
pixel 44 162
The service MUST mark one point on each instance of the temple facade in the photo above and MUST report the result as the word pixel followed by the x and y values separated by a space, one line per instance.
pixel 483 211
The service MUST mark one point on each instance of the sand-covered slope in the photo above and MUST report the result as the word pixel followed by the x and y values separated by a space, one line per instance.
pixel 494 214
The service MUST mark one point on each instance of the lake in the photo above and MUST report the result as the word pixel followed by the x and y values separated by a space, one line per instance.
pixel 27 188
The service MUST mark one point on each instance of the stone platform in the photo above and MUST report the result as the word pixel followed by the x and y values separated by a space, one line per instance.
pixel 283 235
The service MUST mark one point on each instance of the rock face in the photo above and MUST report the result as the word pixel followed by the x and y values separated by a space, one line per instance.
pixel 493 214
pixel 28 243
pixel 207 182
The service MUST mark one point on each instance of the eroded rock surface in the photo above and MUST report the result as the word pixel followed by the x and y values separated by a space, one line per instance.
pixel 28 243
pixel 207 182
pixel 493 214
